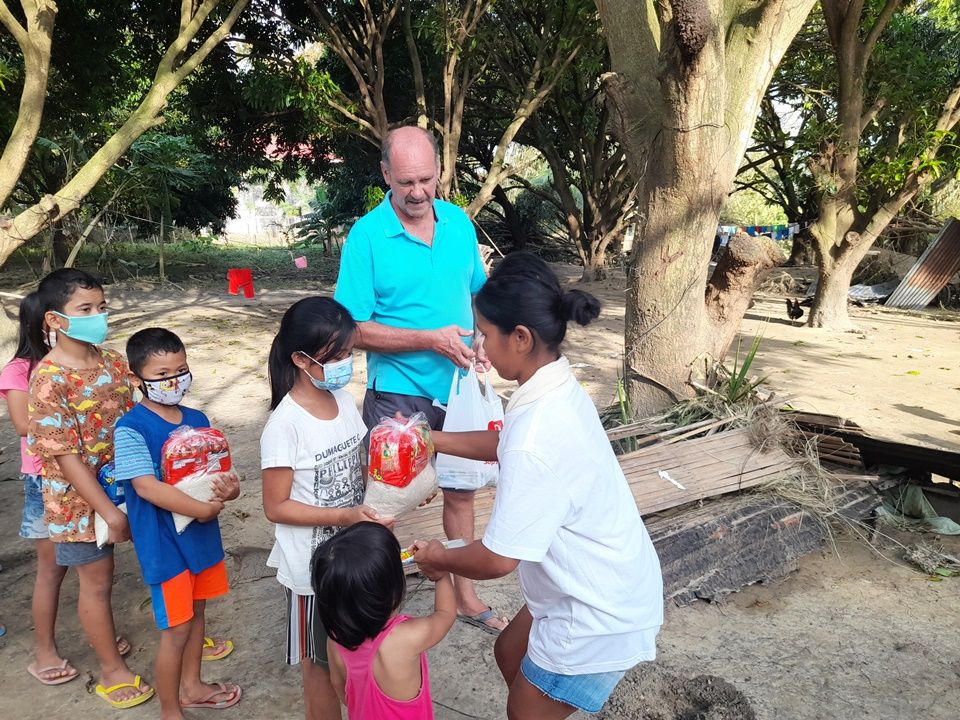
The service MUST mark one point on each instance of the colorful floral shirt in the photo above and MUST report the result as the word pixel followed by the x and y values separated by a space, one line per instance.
pixel 73 411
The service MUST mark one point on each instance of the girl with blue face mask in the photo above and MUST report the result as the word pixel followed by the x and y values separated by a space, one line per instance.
pixel 313 466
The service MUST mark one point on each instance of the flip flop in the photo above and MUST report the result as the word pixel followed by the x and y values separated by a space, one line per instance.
pixel 210 642
pixel 129 702
pixel 207 702
pixel 480 621
pixel 64 665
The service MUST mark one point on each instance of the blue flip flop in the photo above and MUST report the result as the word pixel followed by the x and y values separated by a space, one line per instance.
pixel 480 621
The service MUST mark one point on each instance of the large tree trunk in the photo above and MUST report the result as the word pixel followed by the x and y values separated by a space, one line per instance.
pixel 34 41
pixel 688 79
pixel 173 68
pixel 801 252
pixel 843 232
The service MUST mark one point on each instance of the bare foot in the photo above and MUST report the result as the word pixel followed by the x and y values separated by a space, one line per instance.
pixel 123 676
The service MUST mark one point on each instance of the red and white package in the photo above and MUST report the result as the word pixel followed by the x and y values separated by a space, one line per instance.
pixel 400 469
pixel 190 460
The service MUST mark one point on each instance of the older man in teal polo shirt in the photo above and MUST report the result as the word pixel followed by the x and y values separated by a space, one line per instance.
pixel 408 272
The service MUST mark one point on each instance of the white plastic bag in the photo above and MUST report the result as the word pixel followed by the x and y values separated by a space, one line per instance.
pixel 100 527
pixel 469 409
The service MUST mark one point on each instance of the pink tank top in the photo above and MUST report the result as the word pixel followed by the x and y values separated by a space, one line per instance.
pixel 365 699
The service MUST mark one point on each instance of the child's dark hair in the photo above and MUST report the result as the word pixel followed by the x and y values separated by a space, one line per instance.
pixel 358 580
pixel 56 288
pixel 151 341
pixel 312 325
pixel 31 341
pixel 523 290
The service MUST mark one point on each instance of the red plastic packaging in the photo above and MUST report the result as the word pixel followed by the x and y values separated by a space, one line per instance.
pixel 399 449
pixel 193 450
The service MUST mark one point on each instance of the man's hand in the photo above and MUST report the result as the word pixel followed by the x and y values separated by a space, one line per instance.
pixel 448 342
pixel 118 529
pixel 427 554
pixel 483 362
pixel 226 486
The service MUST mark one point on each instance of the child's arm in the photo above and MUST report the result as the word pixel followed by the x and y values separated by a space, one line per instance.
pixel 17 409
pixel 133 462
pixel 477 445
pixel 226 485
pixel 422 633
pixel 78 474
pixel 338 674
pixel 167 497
pixel 279 508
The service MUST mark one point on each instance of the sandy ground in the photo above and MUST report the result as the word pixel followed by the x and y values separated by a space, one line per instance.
pixel 850 635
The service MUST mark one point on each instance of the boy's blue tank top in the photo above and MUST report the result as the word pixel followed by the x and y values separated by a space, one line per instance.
pixel 163 552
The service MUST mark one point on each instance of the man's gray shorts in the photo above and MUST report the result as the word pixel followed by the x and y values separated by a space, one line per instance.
pixel 378 404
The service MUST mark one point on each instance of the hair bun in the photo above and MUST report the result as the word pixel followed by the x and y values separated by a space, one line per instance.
pixel 581 307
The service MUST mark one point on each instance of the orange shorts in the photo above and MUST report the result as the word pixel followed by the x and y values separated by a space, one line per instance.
pixel 173 599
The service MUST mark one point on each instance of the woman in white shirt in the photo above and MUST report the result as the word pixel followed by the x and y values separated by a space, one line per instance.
pixel 563 515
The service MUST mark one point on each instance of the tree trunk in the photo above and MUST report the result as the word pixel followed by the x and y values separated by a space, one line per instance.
pixel 34 41
pixel 830 301
pixel 173 68
pixel 60 246
pixel 687 84
pixel 518 233
pixel 595 268
pixel 801 252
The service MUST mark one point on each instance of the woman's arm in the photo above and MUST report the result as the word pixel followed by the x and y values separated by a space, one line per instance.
pixel 279 508
pixel 477 445
pixel 474 561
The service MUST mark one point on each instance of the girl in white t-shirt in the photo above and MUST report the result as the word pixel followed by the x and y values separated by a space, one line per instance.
pixel 564 515
pixel 312 457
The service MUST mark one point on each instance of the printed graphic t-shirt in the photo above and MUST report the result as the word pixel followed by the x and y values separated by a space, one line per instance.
pixel 73 412
pixel 16 376
pixel 327 461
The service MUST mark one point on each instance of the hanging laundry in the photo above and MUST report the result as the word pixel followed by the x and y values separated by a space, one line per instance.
pixel 240 279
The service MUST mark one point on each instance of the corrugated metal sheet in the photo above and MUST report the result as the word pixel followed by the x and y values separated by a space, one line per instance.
pixel 931 273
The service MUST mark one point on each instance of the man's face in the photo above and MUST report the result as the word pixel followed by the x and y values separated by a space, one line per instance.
pixel 412 177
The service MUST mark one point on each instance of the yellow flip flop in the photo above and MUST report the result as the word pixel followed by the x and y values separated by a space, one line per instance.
pixel 129 702
pixel 227 649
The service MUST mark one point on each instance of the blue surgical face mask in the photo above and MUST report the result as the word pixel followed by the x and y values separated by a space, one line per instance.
pixel 86 328
pixel 336 375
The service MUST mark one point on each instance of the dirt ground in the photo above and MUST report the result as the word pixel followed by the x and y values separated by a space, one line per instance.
pixel 850 635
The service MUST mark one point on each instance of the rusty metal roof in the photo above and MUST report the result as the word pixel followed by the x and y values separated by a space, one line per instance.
pixel 931 273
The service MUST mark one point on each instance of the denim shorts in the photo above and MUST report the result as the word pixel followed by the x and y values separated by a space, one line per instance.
pixel 32 526
pixel 71 554
pixel 584 692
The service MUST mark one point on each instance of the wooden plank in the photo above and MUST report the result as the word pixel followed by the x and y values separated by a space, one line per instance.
pixel 721 463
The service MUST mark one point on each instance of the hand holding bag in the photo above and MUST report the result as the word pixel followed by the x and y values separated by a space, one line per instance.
pixel 470 408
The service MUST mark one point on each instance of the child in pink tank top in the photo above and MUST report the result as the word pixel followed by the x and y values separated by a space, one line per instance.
pixel 378 661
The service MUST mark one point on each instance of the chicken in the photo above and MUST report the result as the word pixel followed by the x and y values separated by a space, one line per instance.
pixel 794 311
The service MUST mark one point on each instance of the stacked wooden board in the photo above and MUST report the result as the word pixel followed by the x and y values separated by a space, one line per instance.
pixel 663 475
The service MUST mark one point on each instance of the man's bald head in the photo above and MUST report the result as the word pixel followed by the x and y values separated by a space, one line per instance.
pixel 411 139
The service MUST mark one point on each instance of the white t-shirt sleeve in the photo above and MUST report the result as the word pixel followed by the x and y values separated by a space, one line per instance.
pixel 278 444
pixel 530 507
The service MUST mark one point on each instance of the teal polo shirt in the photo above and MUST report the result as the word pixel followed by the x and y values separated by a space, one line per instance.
pixel 390 277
